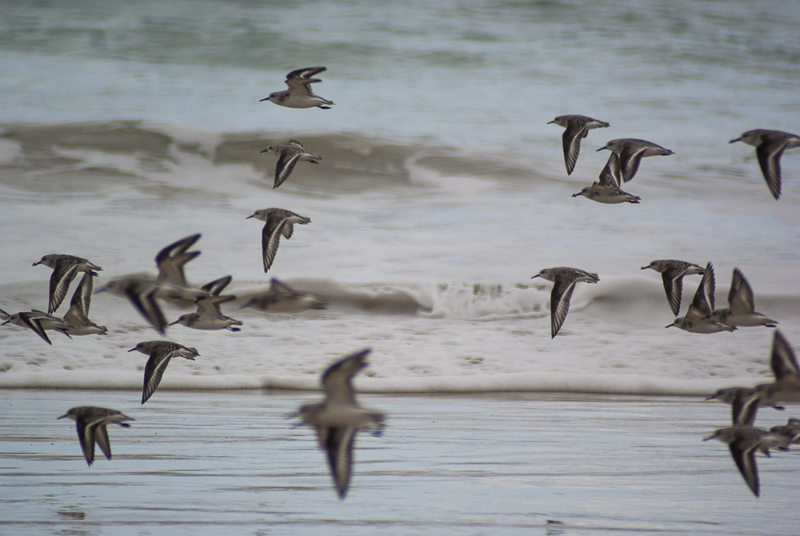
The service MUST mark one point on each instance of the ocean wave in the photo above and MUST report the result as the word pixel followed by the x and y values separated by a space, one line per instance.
pixel 532 382
pixel 95 156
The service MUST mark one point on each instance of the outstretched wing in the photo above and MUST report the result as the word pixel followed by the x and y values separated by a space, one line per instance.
pixel 769 158
pixel 559 304
pixel 270 240
pixel 340 442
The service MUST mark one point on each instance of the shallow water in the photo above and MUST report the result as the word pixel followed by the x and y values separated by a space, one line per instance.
pixel 211 462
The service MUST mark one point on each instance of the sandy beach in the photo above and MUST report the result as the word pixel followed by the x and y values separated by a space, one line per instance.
pixel 210 462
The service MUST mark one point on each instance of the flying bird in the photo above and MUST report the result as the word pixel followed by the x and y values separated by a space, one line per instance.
pixel 289 154
pixel 627 154
pixel 338 418
pixel 672 273
pixel 563 279
pixel 278 222
pixel 160 353
pixel 299 94
pixel 577 127
pixel 770 145
pixel 65 268
pixel 91 423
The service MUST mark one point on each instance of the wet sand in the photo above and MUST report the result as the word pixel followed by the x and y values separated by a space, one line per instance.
pixel 230 462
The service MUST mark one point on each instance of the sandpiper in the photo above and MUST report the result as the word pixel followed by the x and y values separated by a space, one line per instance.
pixel 39 321
pixel 299 94
pixel 577 127
pixel 607 190
pixel 281 298
pixel 743 441
pixel 278 222
pixel 770 145
pixel 672 273
pixel 627 154
pixel 78 314
pixel 65 268
pixel 697 316
pixel 728 395
pixel 208 315
pixel 741 311
pixel 160 353
pixel 143 292
pixel 338 418
pixel 563 279
pixel 289 155
pixel 91 424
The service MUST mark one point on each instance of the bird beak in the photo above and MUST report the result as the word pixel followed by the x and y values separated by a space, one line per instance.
pixel 250 216
pixel 265 98
pixel 670 325
pixel 576 195
pixel 550 122
pixel 708 438
pixel 62 416
pixel 534 277
pixel 176 322
pixel 35 263
pixel 712 397
pixel 264 151
pixel 101 289
pixel 131 350
pixel 601 148
pixel 734 141
pixel 645 267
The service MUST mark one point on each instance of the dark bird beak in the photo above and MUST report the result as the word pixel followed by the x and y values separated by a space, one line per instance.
pixel 712 397
pixel 534 277
pixel 62 416
pixel 670 325
pixel 131 350
pixel 176 322
pixel 250 216
pixel 265 98
pixel 576 195
pixel 550 122
pixel 734 141
pixel 265 150
pixel 601 148
pixel 708 438
pixel 645 267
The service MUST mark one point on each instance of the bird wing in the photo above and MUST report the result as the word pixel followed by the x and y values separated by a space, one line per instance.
pixel 769 158
pixel 744 455
pixel 217 286
pixel 270 239
pixel 154 370
pixel 673 286
pixel 783 360
pixel 33 321
pixel 559 304
pixel 86 439
pixel 145 303
pixel 740 297
pixel 571 141
pixel 101 437
pixel 62 277
pixel 337 379
pixel 630 160
pixel 285 166
pixel 339 445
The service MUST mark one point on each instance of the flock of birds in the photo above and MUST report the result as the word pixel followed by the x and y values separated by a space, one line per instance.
pixel 339 417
